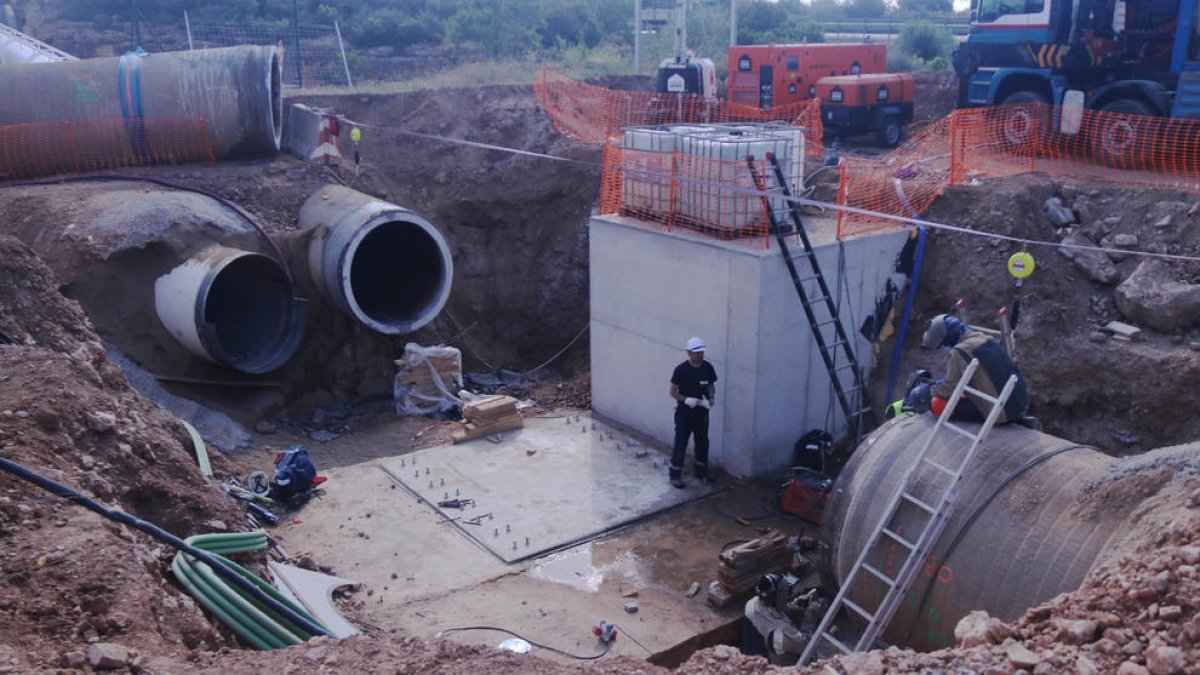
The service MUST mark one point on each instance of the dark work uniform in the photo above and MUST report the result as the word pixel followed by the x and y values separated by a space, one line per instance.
pixel 995 367
pixel 693 382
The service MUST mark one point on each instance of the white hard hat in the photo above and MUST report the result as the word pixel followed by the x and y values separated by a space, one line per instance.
pixel 695 344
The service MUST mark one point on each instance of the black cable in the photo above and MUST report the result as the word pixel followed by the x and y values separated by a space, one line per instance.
pixel 166 537
pixel 962 532
pixel 506 631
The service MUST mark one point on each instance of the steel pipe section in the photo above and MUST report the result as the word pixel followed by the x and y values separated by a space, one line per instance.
pixel 235 90
pixel 232 307
pixel 1023 530
pixel 383 264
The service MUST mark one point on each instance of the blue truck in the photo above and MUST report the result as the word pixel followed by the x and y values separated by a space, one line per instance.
pixel 1135 57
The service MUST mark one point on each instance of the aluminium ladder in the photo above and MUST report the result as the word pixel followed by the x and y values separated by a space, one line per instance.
pixel 851 395
pixel 936 512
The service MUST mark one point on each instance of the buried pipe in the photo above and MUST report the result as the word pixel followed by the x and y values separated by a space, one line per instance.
pixel 236 91
pixel 384 265
pixel 1027 526
pixel 232 307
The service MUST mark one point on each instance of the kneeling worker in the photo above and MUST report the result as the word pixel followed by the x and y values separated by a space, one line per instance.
pixel 995 367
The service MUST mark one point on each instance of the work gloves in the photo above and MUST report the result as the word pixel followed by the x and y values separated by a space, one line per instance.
pixel 918 398
pixel 692 402
pixel 706 404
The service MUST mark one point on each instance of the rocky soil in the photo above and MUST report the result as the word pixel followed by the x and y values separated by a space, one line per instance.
pixel 1086 384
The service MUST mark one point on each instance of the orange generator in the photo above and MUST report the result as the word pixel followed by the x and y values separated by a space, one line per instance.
pixel 769 75
pixel 854 104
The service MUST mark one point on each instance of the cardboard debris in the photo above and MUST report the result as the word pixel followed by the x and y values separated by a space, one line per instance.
pixel 488 416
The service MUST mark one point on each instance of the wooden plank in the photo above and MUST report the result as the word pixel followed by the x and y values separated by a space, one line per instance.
pixel 490 408
pixel 470 430
pixel 749 553
pixel 490 403
pixel 491 416
pixel 419 377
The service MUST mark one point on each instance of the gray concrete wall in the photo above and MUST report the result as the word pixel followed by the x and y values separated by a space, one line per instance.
pixel 651 290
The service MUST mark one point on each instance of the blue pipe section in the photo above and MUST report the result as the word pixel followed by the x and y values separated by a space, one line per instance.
pixel 908 304
pixel 129 92
pixel 912 290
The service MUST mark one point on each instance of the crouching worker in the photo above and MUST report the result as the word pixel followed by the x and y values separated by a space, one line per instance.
pixel 995 367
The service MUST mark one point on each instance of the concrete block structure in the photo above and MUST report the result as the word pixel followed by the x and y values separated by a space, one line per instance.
pixel 652 289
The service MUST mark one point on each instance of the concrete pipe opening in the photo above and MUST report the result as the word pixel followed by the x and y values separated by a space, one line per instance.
pixel 386 266
pixel 232 307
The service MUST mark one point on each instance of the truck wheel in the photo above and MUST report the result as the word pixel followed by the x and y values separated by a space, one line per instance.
pixel 890 132
pixel 1025 119
pixel 1123 140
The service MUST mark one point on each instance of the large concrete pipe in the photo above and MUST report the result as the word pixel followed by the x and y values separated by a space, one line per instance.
pixel 235 90
pixel 384 265
pixel 232 307
pixel 1023 530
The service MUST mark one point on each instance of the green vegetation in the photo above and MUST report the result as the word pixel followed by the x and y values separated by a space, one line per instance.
pixel 921 45
pixel 584 36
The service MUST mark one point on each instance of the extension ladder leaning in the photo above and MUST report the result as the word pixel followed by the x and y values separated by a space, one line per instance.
pixel 937 513
pixel 851 395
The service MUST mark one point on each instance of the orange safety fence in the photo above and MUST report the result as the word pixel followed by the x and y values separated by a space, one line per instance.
pixel 50 148
pixel 980 143
pixel 595 114
pixel 904 183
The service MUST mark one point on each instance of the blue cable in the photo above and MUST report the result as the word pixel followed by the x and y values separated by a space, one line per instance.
pixel 912 294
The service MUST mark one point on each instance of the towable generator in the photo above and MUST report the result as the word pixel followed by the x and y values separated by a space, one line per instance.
pixel 766 76
pixel 855 104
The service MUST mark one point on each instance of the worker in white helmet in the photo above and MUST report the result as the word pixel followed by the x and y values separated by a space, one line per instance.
pixel 693 386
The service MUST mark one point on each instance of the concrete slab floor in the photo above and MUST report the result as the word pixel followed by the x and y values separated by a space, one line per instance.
pixel 420 577
pixel 558 481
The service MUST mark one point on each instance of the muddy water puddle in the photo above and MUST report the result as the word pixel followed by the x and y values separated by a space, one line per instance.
pixel 578 568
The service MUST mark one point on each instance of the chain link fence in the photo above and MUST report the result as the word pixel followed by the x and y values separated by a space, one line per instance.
pixel 314 53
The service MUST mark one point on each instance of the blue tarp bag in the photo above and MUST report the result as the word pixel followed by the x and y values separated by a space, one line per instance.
pixel 294 474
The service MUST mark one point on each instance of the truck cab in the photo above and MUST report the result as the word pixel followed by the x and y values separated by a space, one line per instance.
pixel 1125 55
pixel 1128 57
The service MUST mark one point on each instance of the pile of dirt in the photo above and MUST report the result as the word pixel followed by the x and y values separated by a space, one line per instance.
pixel 935 97
pixel 1087 386
pixel 71 577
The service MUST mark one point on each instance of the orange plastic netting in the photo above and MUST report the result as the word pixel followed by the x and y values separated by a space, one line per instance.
pixel 983 143
pixel 595 114
pixel 50 148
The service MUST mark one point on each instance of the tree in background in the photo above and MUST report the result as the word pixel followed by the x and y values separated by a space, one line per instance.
pixel 866 9
pixel 765 22
pixel 502 27
pixel 925 41
pixel 925 6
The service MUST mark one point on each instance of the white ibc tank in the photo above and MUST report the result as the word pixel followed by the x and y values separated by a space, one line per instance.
pixel 647 165
pixel 716 187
